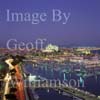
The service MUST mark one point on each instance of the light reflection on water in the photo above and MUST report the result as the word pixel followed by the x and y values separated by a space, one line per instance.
pixel 91 84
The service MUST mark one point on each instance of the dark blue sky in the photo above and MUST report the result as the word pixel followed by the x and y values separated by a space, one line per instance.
pixel 82 28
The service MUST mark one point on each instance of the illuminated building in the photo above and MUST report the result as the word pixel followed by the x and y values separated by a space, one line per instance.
pixel 51 48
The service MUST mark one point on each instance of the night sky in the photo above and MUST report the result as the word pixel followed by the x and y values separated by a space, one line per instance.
pixel 82 28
